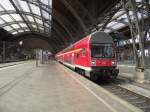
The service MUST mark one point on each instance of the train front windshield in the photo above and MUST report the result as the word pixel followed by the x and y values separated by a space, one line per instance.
pixel 102 51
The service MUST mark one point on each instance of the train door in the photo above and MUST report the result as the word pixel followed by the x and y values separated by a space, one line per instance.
pixel 72 58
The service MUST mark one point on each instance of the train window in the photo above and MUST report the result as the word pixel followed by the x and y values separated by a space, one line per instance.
pixel 102 51
pixel 83 52
pixel 77 55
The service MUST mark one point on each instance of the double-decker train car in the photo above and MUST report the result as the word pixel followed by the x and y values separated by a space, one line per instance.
pixel 94 56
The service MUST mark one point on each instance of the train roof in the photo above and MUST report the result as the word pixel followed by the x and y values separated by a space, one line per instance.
pixel 100 37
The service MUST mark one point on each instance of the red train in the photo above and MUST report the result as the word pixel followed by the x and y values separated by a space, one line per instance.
pixel 94 56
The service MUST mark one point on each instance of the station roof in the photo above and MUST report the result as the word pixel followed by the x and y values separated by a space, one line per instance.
pixel 74 19
pixel 49 16
pixel 17 16
pixel 62 22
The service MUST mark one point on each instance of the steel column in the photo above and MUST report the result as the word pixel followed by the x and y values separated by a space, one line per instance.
pixel 136 30
pixel 3 52
pixel 133 35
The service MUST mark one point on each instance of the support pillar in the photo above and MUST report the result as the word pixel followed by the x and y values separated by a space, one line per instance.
pixel 37 57
pixel 137 28
pixel 4 52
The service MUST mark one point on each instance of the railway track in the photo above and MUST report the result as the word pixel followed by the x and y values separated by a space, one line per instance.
pixel 133 98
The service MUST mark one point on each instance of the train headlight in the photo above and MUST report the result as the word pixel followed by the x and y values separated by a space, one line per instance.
pixel 113 63
pixel 93 63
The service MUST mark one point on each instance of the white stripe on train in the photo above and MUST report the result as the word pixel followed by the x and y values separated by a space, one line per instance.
pixel 87 69
pixel 78 66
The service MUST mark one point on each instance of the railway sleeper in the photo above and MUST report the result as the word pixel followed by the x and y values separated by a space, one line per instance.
pixel 138 101
pixel 115 91
pixel 132 99
pixel 143 105
pixel 123 95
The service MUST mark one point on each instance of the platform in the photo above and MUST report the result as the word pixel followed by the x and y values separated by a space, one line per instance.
pixel 128 72
pixel 54 88
pixel 11 64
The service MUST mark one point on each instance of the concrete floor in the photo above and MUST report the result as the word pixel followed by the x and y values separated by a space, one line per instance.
pixel 10 64
pixel 48 88
pixel 128 71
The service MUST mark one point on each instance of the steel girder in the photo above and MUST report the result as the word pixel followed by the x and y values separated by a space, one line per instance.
pixel 107 15
pixel 41 14
pixel 18 11
pixel 48 9
pixel 10 15
pixel 63 25
pixel 25 13
pixel 8 24
pixel 60 33
pixel 18 22
pixel 138 27
pixel 115 31
pixel 26 21
pixel 68 24
pixel 57 40
pixel 21 36
pixel 25 35
pixel 34 16
pixel 85 11
pixel 147 27
pixel 73 11
pixel 56 29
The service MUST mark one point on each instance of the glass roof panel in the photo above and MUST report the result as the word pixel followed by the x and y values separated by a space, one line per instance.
pixel 8 28
pixel 7 18
pixel 119 13
pixel 42 31
pixel 45 14
pixel 14 32
pixel 16 17
pixel 23 25
pixel 39 21
pixel 24 6
pixel 47 30
pixel 15 26
pixel 1 21
pixel 35 9
pixel 45 1
pixel 41 28
pixel 138 0
pixel 34 26
pixel 111 24
pixel 115 25
pixel 50 2
pixel 30 18
pixel 27 30
pixel 50 18
pixel 148 36
pixel 46 25
pixel 123 17
pixel 6 4
pixel 1 9
pixel 118 26
pixel 107 30
pixel 20 31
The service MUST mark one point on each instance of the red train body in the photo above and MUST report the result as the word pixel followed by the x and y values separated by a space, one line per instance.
pixel 93 56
